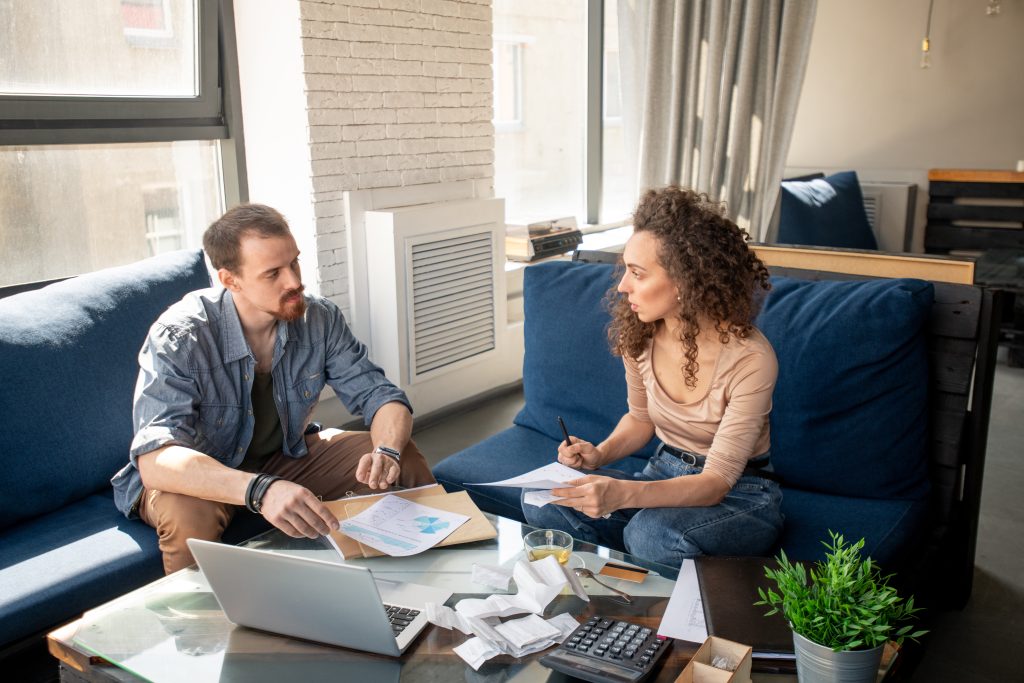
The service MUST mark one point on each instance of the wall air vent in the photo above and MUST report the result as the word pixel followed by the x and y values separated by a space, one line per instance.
pixel 872 207
pixel 452 316
pixel 437 302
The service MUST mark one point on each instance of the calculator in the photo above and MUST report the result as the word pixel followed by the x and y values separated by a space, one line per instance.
pixel 605 650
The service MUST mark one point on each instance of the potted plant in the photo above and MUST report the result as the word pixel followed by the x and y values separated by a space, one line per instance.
pixel 842 612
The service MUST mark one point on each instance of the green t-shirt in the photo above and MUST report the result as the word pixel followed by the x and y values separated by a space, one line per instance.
pixel 266 433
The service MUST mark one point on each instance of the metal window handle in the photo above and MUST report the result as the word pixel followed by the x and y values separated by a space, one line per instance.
pixel 585 573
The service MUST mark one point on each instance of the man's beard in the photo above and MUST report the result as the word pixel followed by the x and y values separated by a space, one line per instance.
pixel 290 311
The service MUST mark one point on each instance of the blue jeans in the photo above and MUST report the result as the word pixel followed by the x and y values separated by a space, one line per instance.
pixel 748 521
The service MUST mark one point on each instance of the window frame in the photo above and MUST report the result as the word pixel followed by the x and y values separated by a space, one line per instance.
pixel 518 44
pixel 211 115
pixel 215 114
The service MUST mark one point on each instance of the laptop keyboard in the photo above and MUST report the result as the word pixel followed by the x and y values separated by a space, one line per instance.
pixel 400 617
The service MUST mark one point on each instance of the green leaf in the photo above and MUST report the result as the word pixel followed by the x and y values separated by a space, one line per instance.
pixel 842 601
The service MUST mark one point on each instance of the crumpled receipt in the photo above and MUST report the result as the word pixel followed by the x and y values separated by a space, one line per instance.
pixel 491 576
pixel 538 583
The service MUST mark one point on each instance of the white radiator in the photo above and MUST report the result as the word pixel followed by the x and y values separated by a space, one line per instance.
pixel 890 208
pixel 437 301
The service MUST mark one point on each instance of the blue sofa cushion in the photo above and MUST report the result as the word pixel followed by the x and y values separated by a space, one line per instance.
pixel 827 212
pixel 71 560
pixel 68 359
pixel 514 451
pixel 568 370
pixel 850 409
pixel 889 527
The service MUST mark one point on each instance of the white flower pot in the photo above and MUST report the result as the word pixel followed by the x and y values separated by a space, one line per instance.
pixel 819 664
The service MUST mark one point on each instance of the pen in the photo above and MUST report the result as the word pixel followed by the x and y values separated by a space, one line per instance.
pixel 561 423
pixel 568 442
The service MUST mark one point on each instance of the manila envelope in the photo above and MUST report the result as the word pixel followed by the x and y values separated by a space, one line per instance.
pixel 477 528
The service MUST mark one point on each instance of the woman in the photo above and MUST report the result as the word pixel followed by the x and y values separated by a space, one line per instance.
pixel 700 377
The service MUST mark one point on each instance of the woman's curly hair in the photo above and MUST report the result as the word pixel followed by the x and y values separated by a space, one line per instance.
pixel 706 255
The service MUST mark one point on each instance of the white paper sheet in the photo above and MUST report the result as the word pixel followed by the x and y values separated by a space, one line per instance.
pixel 491 576
pixel 539 499
pixel 475 652
pixel 565 623
pixel 400 527
pixel 538 583
pixel 684 614
pixel 527 630
pixel 551 476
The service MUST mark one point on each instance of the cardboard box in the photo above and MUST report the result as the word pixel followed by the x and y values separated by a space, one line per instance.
pixel 700 670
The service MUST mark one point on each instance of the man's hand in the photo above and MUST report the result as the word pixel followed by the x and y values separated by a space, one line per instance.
pixel 296 511
pixel 580 454
pixel 377 470
pixel 594 495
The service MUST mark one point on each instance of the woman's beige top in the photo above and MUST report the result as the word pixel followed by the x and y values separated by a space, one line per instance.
pixel 729 424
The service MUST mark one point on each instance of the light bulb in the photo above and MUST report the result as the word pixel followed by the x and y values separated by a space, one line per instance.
pixel 926 55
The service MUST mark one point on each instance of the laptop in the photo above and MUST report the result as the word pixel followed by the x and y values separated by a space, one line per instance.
pixel 337 604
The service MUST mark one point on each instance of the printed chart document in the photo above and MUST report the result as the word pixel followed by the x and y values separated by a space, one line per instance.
pixel 399 527
pixel 684 615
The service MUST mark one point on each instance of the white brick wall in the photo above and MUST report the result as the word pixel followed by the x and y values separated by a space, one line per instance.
pixel 399 92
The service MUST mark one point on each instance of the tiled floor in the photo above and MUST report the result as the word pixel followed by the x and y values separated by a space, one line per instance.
pixel 980 644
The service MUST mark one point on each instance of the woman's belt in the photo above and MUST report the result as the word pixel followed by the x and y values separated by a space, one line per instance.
pixel 757 467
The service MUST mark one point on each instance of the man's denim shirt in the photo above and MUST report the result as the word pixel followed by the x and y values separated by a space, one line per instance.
pixel 196 373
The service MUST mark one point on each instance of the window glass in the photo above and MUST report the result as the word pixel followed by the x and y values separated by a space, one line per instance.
pixel 508 81
pixel 125 48
pixel 539 163
pixel 617 196
pixel 68 209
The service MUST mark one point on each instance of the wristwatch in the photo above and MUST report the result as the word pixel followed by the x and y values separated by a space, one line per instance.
pixel 391 452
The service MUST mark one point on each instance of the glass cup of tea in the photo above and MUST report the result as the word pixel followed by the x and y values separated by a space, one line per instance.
pixel 544 542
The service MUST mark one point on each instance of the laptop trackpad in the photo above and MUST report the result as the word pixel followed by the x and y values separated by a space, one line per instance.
pixel 408 594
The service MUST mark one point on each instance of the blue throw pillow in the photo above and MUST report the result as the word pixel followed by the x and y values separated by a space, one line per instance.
pixel 568 369
pixel 825 212
pixel 850 410
pixel 68 364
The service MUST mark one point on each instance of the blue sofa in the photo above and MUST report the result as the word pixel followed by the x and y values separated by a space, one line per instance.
pixel 853 424
pixel 68 363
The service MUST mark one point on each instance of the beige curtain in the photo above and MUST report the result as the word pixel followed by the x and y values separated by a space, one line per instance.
pixel 710 91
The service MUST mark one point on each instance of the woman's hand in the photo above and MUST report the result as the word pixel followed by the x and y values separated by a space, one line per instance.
pixel 580 454
pixel 594 495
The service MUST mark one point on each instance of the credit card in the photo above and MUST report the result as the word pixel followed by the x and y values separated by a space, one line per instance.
pixel 624 571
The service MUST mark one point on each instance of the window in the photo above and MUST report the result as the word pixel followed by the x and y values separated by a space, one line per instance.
pixel 508 82
pixel 617 193
pixel 559 141
pixel 539 163
pixel 117 140
pixel 148 22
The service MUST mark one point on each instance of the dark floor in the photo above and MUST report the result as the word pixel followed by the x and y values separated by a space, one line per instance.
pixel 980 644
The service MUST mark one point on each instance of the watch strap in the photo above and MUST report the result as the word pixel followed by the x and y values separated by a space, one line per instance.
pixel 390 452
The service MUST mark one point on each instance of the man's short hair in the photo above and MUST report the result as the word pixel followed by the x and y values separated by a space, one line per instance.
pixel 222 240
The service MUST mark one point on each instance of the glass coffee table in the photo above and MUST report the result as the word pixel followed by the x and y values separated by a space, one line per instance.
pixel 173 629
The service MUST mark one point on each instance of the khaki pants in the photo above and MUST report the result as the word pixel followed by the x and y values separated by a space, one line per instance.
pixel 329 471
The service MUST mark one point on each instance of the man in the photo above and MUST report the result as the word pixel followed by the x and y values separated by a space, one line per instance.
pixel 228 379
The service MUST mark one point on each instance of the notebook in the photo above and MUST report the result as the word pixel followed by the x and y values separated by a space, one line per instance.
pixel 728 591
pixel 337 604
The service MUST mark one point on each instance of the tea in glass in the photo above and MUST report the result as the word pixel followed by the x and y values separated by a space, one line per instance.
pixel 548 542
